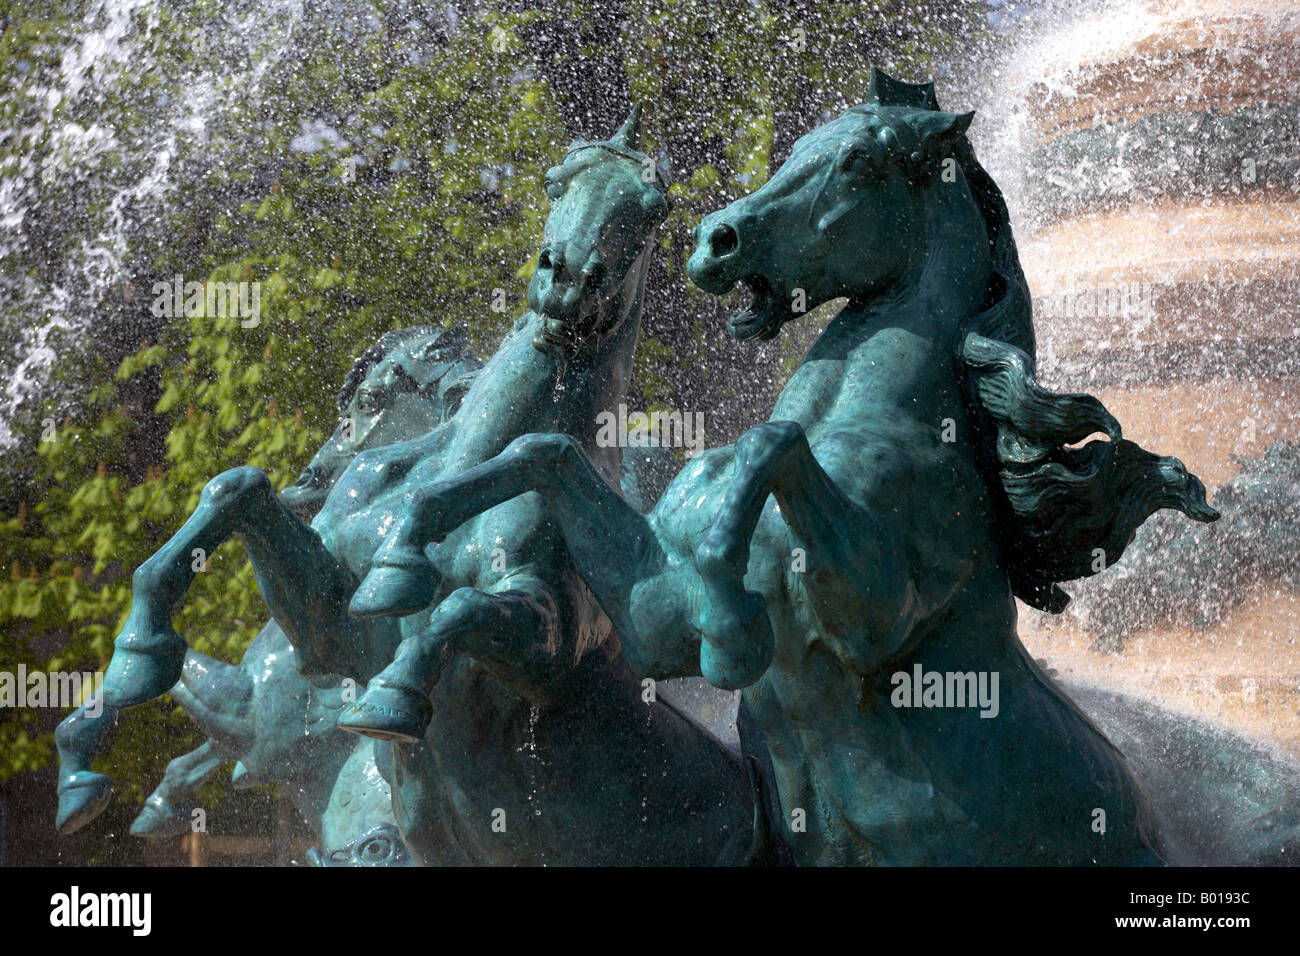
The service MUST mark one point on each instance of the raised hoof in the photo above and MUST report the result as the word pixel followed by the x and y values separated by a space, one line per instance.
pixel 138 674
pixel 388 712
pixel 160 818
pixel 82 797
pixel 395 590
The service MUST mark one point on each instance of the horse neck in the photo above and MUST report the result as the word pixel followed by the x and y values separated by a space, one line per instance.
pixel 597 380
pixel 901 343
pixel 522 389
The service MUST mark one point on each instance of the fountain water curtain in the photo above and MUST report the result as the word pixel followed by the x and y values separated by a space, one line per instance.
pixel 1153 166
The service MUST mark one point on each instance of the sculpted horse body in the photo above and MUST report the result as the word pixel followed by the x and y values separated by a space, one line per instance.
pixel 913 478
pixel 277 724
pixel 538 748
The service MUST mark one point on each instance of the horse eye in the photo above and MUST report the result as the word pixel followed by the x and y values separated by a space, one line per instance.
pixel 375 849
pixel 857 161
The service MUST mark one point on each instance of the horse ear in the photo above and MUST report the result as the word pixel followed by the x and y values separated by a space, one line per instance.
pixel 629 134
pixel 444 341
pixel 884 90
pixel 939 132
pixel 652 200
pixel 434 343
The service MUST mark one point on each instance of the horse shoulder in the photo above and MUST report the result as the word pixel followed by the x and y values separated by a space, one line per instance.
pixel 928 502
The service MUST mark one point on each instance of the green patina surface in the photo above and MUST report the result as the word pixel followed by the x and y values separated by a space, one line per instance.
pixel 506 706
pixel 912 479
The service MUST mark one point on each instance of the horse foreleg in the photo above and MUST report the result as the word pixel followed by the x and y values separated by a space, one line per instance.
pixel 775 459
pixel 168 811
pixel 613 546
pixel 305 587
pixel 512 633
pixel 83 794
pixel 210 691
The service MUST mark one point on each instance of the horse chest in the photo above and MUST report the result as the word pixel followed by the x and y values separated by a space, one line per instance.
pixel 362 511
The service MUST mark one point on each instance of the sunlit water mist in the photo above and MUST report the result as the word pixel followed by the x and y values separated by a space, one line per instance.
pixel 1149 157
pixel 85 156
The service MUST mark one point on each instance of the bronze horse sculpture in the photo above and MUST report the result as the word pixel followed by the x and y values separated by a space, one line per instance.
pixel 535 745
pixel 852 564
pixel 278 725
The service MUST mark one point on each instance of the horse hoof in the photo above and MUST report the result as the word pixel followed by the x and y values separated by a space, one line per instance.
pixel 389 712
pixel 82 797
pixel 160 819
pixel 395 590
pixel 143 672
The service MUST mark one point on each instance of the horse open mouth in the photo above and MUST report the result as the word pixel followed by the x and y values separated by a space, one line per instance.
pixel 564 334
pixel 761 317
pixel 307 495
pixel 554 334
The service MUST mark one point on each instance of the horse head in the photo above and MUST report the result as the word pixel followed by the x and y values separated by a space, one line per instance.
pixel 607 200
pixel 844 217
pixel 887 205
pixel 402 386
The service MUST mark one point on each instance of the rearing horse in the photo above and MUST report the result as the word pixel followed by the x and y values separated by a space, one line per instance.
pixel 913 478
pixel 534 746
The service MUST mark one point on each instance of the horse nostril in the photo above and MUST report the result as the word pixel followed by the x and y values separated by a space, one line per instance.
pixel 723 241
pixel 544 260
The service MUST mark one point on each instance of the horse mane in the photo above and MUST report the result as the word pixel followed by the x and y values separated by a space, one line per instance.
pixel 1062 512
pixel 452 342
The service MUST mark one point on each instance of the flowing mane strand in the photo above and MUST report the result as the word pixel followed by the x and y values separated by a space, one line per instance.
pixel 1064 512
pixel 444 345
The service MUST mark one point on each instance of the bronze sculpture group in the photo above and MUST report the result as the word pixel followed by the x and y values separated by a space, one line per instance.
pixel 472 564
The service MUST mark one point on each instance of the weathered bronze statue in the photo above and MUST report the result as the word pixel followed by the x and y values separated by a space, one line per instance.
pixel 535 745
pixel 279 725
pixel 852 563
